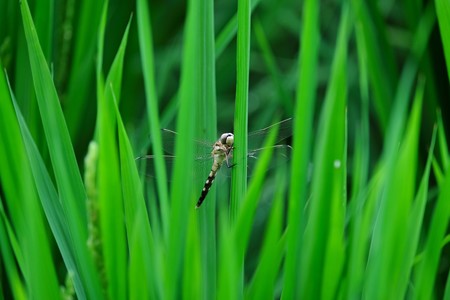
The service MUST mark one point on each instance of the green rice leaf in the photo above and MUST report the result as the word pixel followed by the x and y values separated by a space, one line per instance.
pixel 302 137
pixel 206 127
pixel 8 261
pixel 442 142
pixel 67 176
pixel 57 218
pixel 68 179
pixel 389 242
pixel 243 225
pixel 181 190
pixel 81 78
pixel 447 289
pixel 361 227
pixel 405 85
pixel 415 225
pixel 380 59
pixel 246 214
pixel 437 171
pixel 148 67
pixel 110 193
pixel 443 16
pixel 228 262
pixel 323 255
pixel 427 270
pixel 229 31
pixel 193 285
pixel 263 282
pixel 362 144
pixel 44 20
pixel 239 177
pixel 16 181
pixel 141 244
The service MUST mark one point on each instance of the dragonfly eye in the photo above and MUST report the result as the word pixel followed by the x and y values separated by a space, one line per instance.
pixel 227 139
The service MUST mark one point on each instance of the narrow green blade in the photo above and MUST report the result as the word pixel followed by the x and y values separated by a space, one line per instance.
pixel 323 254
pixel 141 243
pixel 239 177
pixel 443 16
pixel 109 181
pixel 302 137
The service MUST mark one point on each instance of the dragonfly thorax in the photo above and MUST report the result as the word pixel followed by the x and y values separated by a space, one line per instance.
pixel 220 150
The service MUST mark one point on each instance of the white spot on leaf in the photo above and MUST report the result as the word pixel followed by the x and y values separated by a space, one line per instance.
pixel 337 163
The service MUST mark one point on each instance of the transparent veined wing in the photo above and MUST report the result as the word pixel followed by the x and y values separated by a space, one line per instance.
pixel 202 148
pixel 203 158
pixel 256 138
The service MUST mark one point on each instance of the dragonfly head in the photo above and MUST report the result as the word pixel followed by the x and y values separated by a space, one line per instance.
pixel 227 139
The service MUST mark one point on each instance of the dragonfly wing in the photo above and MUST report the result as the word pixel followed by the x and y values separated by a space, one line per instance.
pixel 169 138
pixel 146 165
pixel 281 154
pixel 256 138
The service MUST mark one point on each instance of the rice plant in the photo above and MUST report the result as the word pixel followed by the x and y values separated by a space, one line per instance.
pixel 345 197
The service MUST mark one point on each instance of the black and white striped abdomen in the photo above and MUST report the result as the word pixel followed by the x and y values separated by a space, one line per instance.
pixel 208 183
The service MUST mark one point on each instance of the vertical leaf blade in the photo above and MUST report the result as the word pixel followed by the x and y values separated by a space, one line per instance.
pixel 443 16
pixel 239 180
pixel 181 192
pixel 68 178
pixel 146 47
pixel 321 267
pixel 109 181
pixel 302 136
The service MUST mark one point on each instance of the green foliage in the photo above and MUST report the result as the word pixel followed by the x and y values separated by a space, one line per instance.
pixel 361 209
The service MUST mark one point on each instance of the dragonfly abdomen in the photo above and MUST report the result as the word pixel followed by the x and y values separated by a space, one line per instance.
pixel 208 183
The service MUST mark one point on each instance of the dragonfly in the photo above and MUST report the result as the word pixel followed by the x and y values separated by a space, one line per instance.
pixel 221 152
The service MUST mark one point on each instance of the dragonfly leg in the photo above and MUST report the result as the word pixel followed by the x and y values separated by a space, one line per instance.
pixel 228 163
